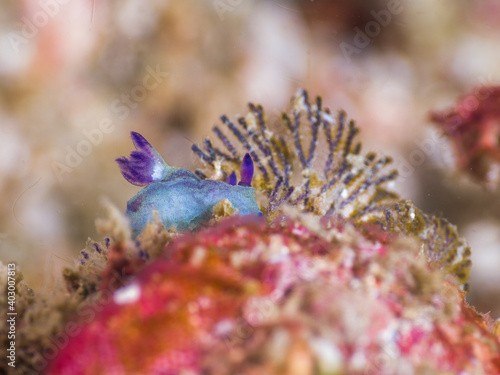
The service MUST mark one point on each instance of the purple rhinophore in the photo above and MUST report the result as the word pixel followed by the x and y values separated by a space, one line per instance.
pixel 85 255
pixel 97 248
pixel 107 241
pixel 246 171
pixel 133 168
pixel 144 166
pixel 232 179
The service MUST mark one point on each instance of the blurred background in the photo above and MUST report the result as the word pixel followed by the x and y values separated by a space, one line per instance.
pixel 76 76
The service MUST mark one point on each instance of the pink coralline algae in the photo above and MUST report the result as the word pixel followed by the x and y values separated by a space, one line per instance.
pixel 306 295
pixel 473 127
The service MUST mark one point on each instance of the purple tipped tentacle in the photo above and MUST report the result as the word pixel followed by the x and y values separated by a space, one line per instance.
pixel 139 141
pixel 132 171
pixel 142 145
pixel 232 179
pixel 145 165
pixel 246 171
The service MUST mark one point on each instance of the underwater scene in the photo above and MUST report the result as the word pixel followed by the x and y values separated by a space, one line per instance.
pixel 232 187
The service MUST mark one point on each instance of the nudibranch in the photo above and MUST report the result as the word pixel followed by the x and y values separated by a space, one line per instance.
pixel 181 198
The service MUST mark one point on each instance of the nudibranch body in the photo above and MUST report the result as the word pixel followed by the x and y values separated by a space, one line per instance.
pixel 182 199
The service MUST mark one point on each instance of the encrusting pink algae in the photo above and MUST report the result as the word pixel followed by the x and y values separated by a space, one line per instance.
pixel 339 276
pixel 306 296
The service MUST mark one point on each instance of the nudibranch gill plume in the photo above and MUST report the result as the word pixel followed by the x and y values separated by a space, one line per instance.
pixel 181 198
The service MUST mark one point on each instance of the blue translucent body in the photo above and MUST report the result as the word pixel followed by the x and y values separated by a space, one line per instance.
pixel 181 199
pixel 185 201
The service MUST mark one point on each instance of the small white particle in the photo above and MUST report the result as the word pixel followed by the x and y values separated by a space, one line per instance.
pixel 412 213
pixel 344 194
pixel 198 256
pixel 224 327
pixel 328 355
pixel 218 170
pixel 328 118
pixel 127 294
